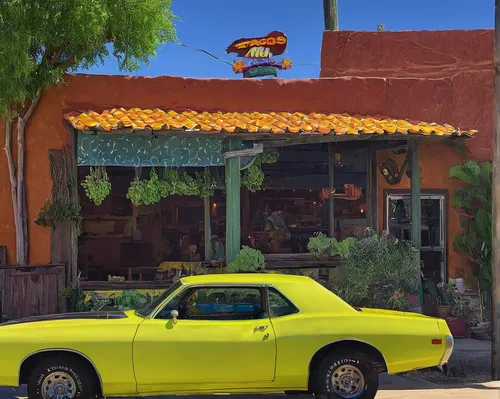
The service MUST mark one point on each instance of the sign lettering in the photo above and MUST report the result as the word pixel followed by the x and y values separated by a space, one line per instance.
pixel 275 42
pixel 261 53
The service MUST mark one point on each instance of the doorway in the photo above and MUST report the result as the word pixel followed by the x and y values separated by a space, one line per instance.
pixel 433 227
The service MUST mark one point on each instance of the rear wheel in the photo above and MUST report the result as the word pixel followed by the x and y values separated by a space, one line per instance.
pixel 61 377
pixel 346 375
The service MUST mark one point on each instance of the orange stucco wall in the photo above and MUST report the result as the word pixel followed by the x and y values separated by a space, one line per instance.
pixel 460 96
pixel 449 77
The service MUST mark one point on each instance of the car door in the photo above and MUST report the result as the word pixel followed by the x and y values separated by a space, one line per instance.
pixel 221 339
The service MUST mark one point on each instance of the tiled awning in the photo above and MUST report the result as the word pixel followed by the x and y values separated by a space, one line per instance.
pixel 138 120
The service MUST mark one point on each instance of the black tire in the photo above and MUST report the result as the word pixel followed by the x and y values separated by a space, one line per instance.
pixel 344 361
pixel 79 373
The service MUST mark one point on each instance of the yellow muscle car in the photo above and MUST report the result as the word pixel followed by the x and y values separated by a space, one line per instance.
pixel 221 334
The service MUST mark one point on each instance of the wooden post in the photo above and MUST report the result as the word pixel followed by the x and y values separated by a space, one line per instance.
pixel 374 177
pixel 330 11
pixel 416 221
pixel 331 190
pixel 207 230
pixel 496 210
pixel 233 228
pixel 371 188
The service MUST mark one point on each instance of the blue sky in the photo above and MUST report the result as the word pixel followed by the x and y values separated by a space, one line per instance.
pixel 213 24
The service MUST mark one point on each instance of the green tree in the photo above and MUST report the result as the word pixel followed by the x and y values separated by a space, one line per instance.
pixel 41 39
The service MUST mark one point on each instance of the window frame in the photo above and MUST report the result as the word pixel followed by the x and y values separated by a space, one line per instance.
pixel 268 287
pixel 189 288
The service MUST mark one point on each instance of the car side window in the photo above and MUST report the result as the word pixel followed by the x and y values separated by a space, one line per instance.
pixel 279 305
pixel 173 304
pixel 222 303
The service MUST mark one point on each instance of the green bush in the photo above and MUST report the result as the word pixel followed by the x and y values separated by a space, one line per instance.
pixel 248 260
pixel 376 272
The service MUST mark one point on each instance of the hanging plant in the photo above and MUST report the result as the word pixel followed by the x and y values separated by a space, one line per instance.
pixel 135 192
pixel 188 185
pixel 206 183
pixel 253 177
pixel 52 213
pixel 172 183
pixel 269 156
pixel 147 192
pixel 97 185
pixel 61 205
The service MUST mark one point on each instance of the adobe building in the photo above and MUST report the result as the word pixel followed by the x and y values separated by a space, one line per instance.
pixel 382 98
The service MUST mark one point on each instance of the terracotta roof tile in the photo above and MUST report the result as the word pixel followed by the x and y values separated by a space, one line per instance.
pixel 254 122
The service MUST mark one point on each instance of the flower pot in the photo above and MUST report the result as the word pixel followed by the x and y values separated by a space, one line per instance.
pixel 458 328
pixel 443 311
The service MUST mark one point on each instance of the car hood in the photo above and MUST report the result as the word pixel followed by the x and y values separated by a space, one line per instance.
pixel 70 316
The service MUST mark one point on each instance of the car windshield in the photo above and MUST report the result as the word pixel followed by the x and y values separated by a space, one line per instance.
pixel 144 312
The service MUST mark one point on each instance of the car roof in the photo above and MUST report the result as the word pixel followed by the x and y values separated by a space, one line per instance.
pixel 246 278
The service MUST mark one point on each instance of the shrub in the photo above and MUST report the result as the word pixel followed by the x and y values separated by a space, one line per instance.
pixel 376 272
pixel 248 260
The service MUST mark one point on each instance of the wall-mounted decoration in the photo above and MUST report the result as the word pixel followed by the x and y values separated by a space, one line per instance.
pixel 390 171
pixel 262 54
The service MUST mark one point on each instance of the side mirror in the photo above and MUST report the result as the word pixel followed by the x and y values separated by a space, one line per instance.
pixel 175 314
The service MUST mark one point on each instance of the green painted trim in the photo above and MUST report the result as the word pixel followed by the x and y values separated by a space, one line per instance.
pixel 415 195
pixel 233 225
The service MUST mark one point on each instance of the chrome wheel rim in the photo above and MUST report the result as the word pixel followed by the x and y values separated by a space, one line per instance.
pixel 59 385
pixel 348 381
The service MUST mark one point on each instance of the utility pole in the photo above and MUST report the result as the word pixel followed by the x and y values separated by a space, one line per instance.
pixel 331 14
pixel 495 325
pixel 330 11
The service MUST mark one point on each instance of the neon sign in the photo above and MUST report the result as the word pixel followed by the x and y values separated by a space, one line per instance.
pixel 261 53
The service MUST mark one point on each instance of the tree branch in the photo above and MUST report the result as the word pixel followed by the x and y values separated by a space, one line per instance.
pixel 32 107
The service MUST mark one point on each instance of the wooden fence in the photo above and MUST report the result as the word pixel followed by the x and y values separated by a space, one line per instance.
pixel 32 290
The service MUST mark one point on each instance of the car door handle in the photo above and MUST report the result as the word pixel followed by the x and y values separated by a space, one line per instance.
pixel 260 328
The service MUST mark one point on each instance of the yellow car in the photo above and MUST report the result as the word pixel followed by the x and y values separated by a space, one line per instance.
pixel 221 334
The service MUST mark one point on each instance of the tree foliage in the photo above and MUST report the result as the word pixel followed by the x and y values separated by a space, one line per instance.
pixel 475 199
pixel 41 39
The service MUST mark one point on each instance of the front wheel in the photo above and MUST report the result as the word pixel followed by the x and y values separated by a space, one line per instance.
pixel 346 375
pixel 61 377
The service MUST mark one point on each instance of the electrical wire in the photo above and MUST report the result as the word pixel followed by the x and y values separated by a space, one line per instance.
pixel 206 52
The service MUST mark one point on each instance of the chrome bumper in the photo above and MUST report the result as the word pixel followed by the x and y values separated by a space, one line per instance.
pixel 448 351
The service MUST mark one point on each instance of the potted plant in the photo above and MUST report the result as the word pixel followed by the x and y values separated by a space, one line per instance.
pixel 248 260
pixel 460 314
pixel 445 299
